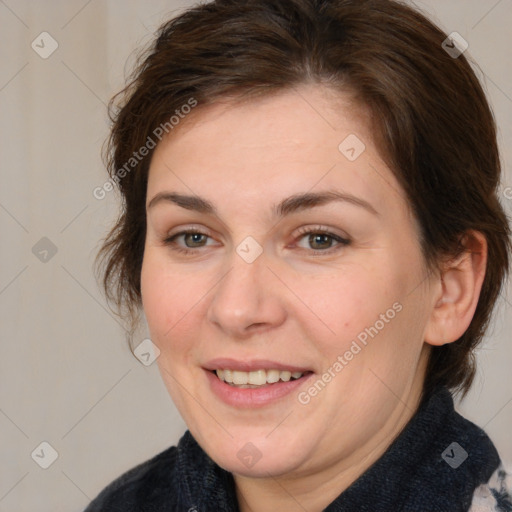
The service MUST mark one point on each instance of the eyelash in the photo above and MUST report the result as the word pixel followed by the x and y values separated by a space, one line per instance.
pixel 342 242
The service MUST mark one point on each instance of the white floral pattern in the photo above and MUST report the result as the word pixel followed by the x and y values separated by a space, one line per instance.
pixel 496 494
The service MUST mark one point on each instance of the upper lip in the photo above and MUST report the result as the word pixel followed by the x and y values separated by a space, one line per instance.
pixel 251 365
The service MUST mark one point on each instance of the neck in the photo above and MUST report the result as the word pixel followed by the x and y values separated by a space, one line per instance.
pixel 315 490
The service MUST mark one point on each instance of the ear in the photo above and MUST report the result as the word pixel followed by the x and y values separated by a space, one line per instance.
pixel 460 283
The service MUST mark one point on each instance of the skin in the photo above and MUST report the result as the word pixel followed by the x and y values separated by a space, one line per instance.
pixel 293 304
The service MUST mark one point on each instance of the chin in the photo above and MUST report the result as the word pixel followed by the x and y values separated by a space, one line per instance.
pixel 267 465
pixel 256 455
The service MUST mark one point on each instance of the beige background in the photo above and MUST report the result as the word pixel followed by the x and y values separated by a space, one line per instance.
pixel 66 374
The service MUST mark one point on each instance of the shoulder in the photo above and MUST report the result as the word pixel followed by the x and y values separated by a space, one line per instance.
pixel 496 494
pixel 144 487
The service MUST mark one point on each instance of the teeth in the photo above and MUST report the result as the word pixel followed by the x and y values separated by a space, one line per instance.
pixel 240 377
pixel 286 376
pixel 273 376
pixel 257 377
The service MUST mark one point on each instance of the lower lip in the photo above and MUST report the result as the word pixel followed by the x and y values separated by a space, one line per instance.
pixel 253 397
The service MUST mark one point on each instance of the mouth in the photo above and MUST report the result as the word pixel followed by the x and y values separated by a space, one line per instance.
pixel 257 378
pixel 257 383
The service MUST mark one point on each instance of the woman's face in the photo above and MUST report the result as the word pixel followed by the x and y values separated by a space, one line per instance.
pixel 304 261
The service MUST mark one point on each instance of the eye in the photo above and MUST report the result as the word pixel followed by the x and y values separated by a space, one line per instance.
pixel 320 240
pixel 192 238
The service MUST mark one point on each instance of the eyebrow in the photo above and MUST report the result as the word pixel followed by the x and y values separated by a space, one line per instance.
pixel 292 204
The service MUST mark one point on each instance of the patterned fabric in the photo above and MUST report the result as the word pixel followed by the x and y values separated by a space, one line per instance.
pixel 495 495
pixel 440 462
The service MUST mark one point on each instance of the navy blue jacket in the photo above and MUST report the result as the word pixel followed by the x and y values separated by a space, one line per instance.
pixel 440 462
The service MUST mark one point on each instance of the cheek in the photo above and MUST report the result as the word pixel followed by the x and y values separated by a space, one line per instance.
pixel 368 312
pixel 168 300
pixel 168 297
pixel 350 300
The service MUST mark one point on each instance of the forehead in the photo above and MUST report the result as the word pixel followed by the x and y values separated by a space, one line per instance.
pixel 298 140
pixel 311 116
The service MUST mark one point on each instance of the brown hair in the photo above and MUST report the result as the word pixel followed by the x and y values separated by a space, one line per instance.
pixel 431 122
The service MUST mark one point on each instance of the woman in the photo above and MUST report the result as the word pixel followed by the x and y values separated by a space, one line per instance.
pixel 312 231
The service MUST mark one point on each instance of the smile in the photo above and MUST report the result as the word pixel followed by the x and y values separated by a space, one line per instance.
pixel 257 378
pixel 255 388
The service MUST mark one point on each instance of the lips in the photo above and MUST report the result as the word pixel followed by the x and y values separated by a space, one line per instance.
pixel 252 365
pixel 253 383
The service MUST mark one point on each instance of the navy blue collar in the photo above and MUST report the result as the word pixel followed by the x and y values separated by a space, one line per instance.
pixel 434 465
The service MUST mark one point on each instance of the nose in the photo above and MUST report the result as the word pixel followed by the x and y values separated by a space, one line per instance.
pixel 247 299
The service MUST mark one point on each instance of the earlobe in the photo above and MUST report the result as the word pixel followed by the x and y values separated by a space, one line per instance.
pixel 461 281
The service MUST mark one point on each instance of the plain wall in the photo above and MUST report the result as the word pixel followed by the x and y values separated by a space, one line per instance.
pixel 67 376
